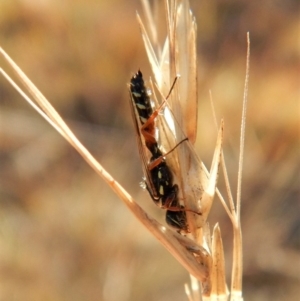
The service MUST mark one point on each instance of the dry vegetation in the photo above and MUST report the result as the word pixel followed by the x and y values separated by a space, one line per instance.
pixel 64 234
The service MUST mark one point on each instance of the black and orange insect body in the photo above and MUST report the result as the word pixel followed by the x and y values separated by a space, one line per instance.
pixel 144 109
pixel 162 180
pixel 159 178
pixel 160 186
pixel 141 98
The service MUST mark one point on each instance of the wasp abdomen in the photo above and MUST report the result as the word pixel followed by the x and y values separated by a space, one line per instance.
pixel 140 96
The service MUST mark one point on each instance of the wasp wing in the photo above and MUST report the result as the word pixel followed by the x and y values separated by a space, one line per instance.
pixel 143 151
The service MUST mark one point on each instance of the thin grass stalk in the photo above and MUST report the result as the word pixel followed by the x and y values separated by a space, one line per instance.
pixel 237 267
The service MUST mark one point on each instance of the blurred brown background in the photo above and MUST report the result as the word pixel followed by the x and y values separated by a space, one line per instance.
pixel 64 234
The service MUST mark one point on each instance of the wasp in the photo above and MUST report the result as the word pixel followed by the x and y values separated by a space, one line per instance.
pixel 158 176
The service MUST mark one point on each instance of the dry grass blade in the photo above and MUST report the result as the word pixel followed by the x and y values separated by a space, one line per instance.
pixel 209 193
pixel 186 39
pixel 150 20
pixel 237 266
pixel 233 210
pixel 150 52
pixel 219 288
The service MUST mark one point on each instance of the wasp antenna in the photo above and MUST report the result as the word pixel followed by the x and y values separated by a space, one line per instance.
pixel 170 151
pixel 172 87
